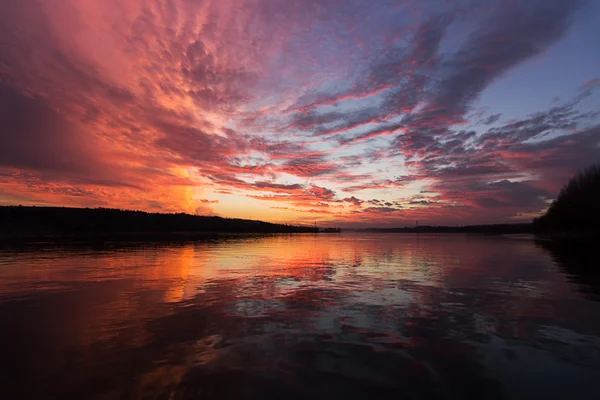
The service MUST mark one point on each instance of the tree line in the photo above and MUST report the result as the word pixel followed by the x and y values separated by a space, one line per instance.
pixel 577 207
pixel 15 220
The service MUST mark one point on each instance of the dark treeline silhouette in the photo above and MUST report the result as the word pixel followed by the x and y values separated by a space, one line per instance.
pixel 25 221
pixel 577 207
pixel 330 230
pixel 497 229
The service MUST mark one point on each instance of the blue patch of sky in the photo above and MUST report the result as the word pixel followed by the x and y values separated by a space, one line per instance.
pixel 558 72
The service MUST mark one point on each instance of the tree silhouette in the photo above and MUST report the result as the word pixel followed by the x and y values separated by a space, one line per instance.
pixel 577 207
pixel 16 220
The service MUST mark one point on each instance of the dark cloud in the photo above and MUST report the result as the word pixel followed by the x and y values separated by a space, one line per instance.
pixel 558 118
pixel 420 202
pixel 506 197
pixel 400 64
pixel 402 69
pixel 521 195
pixel 312 120
pixel 380 210
pixel 492 119
pixel 520 149
pixel 277 187
pixel 321 192
pixel 34 136
pixel 353 200
pixel 557 159
pixel 309 166
pixel 384 129
pixel 195 145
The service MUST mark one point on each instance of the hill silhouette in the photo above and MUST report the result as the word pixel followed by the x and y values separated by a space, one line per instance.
pixel 577 207
pixel 21 221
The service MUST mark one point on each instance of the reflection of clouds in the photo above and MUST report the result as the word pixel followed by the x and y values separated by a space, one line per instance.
pixel 254 308
pixel 579 261
pixel 457 309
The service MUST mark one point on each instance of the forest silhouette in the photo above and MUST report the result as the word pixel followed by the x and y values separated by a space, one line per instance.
pixel 24 221
pixel 576 209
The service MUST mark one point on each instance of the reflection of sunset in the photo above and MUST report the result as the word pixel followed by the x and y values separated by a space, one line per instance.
pixel 177 273
pixel 181 312
pixel 282 265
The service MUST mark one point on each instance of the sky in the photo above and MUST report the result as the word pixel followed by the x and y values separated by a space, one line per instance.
pixel 349 113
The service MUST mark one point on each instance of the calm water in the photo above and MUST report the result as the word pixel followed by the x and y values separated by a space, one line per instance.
pixel 348 316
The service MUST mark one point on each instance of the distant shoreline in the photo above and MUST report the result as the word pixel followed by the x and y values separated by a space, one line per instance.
pixel 64 223
pixel 61 224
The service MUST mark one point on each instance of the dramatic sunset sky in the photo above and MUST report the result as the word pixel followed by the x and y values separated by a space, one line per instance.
pixel 344 112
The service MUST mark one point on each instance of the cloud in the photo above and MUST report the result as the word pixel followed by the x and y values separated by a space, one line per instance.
pixel 313 105
pixel 492 119
pixel 354 201
pixel 308 166
pixel 382 130
pixel 34 136
pixel 420 202
pixel 591 83
pixel 321 192
pixel 275 187
pixel 510 36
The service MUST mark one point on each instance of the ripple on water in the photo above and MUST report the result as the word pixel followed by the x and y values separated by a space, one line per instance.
pixel 356 316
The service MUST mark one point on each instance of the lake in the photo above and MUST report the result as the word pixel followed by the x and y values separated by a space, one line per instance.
pixel 341 316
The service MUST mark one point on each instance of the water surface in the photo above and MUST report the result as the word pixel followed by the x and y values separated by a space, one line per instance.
pixel 348 316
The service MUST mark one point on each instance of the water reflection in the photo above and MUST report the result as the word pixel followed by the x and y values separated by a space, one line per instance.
pixel 580 261
pixel 343 316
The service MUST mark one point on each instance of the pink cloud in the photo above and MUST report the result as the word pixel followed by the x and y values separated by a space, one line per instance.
pixel 152 104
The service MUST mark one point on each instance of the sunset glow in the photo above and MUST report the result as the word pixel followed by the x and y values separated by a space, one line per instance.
pixel 348 113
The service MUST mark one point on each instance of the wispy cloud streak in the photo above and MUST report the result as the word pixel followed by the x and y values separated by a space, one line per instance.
pixel 347 112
